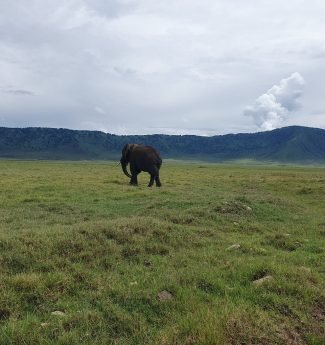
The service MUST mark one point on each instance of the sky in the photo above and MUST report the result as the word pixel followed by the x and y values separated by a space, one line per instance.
pixel 175 67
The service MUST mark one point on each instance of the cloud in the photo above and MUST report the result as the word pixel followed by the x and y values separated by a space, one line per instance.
pixel 272 108
pixel 17 92
pixel 94 64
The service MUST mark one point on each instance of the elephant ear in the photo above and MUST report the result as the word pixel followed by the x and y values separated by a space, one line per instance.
pixel 127 149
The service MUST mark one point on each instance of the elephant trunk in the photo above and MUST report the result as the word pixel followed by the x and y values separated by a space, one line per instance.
pixel 125 170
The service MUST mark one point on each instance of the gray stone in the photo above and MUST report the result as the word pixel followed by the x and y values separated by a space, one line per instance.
pixel 234 246
pixel 165 296
pixel 262 280
pixel 58 313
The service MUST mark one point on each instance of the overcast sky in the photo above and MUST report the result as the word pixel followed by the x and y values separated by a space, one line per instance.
pixel 177 67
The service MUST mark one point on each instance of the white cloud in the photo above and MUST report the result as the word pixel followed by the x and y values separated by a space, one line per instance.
pixel 272 108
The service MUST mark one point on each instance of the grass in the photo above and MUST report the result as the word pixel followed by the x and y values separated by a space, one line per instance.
pixel 76 238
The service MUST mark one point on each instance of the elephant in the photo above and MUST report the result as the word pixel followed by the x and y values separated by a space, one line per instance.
pixel 141 158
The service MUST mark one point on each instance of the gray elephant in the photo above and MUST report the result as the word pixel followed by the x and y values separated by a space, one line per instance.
pixel 141 158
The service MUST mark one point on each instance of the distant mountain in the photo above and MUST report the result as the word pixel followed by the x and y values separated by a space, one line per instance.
pixel 289 144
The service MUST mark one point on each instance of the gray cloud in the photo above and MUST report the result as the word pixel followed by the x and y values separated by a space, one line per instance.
pixel 17 92
pixel 142 66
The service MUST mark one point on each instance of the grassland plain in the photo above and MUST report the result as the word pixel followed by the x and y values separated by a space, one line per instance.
pixel 178 265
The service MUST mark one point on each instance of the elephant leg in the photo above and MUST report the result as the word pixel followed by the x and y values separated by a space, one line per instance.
pixel 134 180
pixel 157 179
pixel 134 177
pixel 152 178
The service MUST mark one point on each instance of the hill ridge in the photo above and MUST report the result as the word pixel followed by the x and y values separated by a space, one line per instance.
pixel 286 144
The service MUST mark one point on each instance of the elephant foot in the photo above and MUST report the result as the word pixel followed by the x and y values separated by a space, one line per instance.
pixel 133 184
pixel 159 185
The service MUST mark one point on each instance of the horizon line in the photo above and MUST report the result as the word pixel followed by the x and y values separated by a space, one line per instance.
pixel 165 134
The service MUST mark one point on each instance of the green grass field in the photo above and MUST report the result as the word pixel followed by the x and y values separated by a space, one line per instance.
pixel 219 255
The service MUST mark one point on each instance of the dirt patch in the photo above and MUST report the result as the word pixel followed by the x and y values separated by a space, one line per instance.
pixel 319 311
pixel 291 337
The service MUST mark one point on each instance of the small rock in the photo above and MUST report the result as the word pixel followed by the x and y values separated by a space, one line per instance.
pixel 249 208
pixel 234 246
pixel 58 313
pixel 44 324
pixel 133 283
pixel 235 223
pixel 262 280
pixel 165 296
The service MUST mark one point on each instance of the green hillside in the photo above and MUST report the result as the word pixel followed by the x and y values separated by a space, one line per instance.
pixel 289 144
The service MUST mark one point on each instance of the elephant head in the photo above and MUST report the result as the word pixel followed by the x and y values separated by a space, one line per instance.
pixel 127 149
